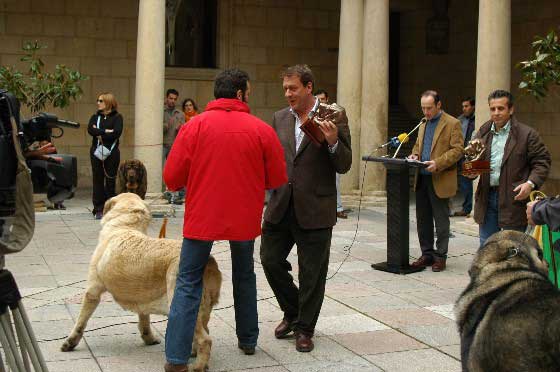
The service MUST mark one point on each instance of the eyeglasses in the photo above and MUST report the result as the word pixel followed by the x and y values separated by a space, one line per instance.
pixel 99 101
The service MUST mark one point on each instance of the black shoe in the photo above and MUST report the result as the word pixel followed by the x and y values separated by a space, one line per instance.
pixel 248 350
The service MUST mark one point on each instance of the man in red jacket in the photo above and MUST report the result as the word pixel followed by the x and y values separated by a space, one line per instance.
pixel 226 158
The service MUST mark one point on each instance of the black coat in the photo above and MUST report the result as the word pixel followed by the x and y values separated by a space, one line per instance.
pixel 112 121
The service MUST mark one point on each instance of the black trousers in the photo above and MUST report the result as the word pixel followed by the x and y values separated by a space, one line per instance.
pixel 429 209
pixel 301 306
pixel 103 186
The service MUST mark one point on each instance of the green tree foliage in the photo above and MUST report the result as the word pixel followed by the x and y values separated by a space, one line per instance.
pixel 544 70
pixel 37 88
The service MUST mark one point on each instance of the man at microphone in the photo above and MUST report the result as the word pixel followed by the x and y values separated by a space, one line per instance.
pixel 440 146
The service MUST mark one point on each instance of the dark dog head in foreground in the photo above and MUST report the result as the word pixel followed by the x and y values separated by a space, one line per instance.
pixel 509 315
pixel 132 177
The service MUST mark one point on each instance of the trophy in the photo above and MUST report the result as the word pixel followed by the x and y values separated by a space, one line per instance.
pixel 318 114
pixel 473 166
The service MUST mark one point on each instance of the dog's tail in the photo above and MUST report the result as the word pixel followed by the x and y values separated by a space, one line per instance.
pixel 212 283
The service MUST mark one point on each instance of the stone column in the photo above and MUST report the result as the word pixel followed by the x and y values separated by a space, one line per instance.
pixel 150 75
pixel 493 59
pixel 375 89
pixel 349 86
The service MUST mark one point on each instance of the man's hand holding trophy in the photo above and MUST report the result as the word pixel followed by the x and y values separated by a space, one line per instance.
pixel 473 166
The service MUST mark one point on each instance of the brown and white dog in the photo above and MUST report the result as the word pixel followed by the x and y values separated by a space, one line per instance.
pixel 132 177
pixel 140 272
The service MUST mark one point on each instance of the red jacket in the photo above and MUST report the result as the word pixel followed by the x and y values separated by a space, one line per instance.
pixel 226 158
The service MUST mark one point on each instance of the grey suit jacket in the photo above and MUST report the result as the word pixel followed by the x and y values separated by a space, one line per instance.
pixel 311 175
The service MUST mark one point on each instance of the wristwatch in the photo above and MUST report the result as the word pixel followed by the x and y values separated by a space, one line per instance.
pixel 532 184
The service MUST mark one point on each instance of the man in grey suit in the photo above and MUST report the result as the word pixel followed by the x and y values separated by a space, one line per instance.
pixel 303 211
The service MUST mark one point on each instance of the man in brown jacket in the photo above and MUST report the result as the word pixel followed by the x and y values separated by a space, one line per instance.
pixel 439 146
pixel 304 210
pixel 519 163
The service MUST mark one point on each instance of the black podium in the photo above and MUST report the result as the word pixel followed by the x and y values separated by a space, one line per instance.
pixel 398 171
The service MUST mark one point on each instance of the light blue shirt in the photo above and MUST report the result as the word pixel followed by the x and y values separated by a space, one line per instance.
pixel 499 140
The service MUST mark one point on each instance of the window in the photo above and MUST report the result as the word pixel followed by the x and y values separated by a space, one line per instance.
pixel 191 31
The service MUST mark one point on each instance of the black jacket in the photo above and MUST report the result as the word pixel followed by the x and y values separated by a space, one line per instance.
pixel 112 121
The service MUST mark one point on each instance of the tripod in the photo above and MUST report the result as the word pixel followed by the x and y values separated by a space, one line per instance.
pixel 17 358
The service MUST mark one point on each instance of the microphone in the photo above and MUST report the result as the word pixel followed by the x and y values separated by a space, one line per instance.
pixel 405 139
pixel 395 141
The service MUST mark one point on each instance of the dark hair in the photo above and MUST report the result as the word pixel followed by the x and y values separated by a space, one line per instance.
pixel 171 91
pixel 229 81
pixel 321 91
pixel 433 94
pixel 501 94
pixel 470 99
pixel 302 71
pixel 189 100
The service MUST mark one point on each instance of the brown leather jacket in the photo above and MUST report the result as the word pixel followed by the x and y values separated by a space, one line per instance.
pixel 311 175
pixel 525 158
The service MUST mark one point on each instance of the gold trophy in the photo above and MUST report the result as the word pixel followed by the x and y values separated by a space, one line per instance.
pixel 473 166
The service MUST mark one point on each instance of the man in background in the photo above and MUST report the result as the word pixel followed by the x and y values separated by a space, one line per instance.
pixel 465 183
pixel 173 118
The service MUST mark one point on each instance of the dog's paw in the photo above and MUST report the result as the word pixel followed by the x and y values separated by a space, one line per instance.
pixel 199 368
pixel 151 340
pixel 68 345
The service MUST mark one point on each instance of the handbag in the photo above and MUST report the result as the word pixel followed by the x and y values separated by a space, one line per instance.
pixel 101 152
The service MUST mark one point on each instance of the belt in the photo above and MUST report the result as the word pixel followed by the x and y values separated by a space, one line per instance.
pixel 494 188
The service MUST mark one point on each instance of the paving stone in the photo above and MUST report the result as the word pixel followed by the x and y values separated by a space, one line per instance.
pixel 51 352
pixel 452 350
pixel 384 341
pixel 378 301
pixel 435 335
pixel 147 362
pixel 117 345
pixel 236 360
pixel 443 310
pixel 353 323
pixel 355 364
pixel 82 365
pixel 427 360
pixel 399 318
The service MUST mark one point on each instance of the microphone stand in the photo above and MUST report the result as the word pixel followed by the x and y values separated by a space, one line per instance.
pixel 408 135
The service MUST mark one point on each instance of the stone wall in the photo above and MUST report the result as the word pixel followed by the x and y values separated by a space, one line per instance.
pixel 99 39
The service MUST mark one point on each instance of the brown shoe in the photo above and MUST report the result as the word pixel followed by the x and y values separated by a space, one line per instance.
pixel 439 265
pixel 341 214
pixel 283 329
pixel 168 367
pixel 304 343
pixel 423 261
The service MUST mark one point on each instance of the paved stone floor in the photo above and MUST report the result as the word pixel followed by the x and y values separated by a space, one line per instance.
pixel 370 321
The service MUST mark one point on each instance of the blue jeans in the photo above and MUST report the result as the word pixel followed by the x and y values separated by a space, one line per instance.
pixel 491 225
pixel 466 189
pixel 188 292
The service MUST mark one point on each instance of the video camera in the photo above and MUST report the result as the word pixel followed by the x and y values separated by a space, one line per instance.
pixel 55 175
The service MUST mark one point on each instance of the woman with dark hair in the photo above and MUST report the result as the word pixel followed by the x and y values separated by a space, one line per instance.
pixel 190 109
pixel 105 127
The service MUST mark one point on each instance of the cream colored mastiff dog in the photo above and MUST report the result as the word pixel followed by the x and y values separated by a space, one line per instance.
pixel 140 272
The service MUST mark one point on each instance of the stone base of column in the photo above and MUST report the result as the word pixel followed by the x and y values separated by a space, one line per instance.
pixel 159 206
